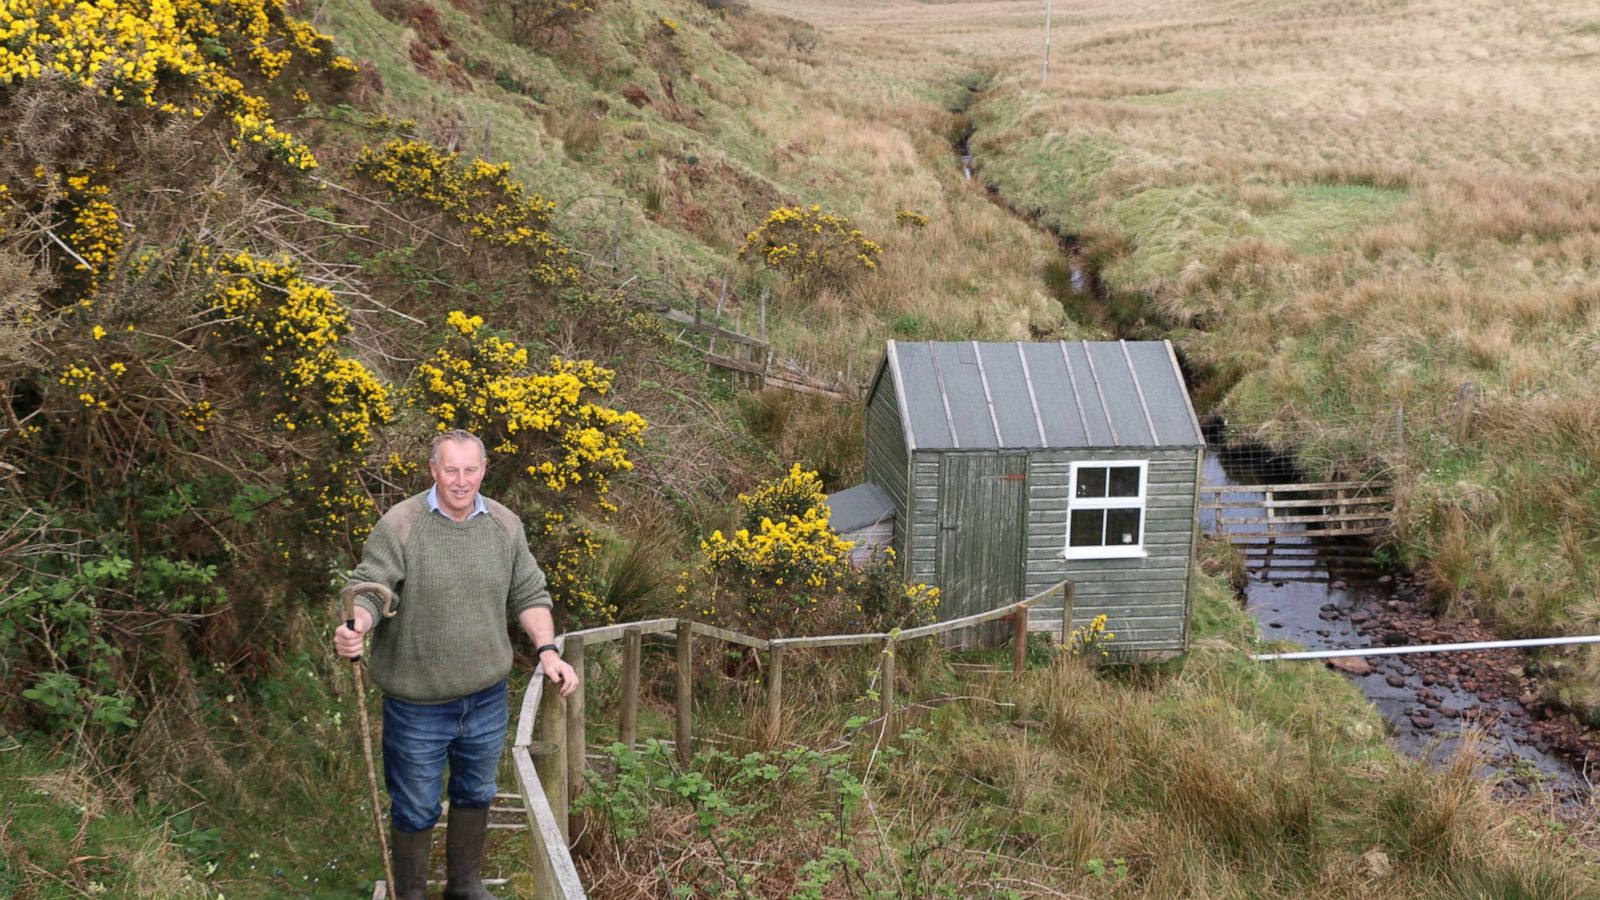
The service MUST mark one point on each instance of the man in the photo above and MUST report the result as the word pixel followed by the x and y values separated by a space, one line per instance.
pixel 459 565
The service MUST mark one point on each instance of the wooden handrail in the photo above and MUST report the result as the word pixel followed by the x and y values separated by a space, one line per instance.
pixel 544 768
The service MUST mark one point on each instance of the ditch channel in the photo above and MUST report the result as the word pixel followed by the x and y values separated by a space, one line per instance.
pixel 1325 595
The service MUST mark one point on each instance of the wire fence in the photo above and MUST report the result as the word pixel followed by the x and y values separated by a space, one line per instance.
pixel 1298 444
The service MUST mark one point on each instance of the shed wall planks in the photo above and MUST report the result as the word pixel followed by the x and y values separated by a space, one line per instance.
pixel 922 563
pixel 1144 599
pixel 887 458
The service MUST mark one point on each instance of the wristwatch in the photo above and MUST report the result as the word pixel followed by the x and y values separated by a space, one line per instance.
pixel 543 647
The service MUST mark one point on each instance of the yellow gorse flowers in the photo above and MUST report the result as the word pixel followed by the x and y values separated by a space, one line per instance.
pixel 149 53
pixel 257 133
pixel 543 417
pixel 805 241
pixel 296 327
pixel 96 235
pixel 797 550
pixel 785 542
pixel 494 207
pixel 784 570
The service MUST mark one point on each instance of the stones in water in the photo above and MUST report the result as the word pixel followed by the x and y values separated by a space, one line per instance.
pixel 1353 665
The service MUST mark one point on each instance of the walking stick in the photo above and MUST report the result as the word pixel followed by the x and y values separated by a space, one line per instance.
pixel 349 597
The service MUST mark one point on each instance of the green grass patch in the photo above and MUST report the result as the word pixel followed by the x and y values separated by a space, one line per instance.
pixel 1317 216
pixel 64 838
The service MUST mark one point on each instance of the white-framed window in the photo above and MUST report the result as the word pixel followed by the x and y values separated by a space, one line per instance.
pixel 1105 515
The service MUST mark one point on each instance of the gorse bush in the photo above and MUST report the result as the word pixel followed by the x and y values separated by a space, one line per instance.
pixel 549 428
pixel 541 21
pixel 294 328
pixel 785 571
pixel 159 61
pixel 133 347
pixel 545 421
pixel 198 431
pixel 807 244
pixel 495 209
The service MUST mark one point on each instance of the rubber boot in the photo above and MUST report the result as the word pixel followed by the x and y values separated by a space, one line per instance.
pixel 463 843
pixel 410 854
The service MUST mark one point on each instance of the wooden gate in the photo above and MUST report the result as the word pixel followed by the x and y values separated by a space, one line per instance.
pixel 1266 513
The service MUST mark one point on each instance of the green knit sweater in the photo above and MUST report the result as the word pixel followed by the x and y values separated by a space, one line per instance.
pixel 456 585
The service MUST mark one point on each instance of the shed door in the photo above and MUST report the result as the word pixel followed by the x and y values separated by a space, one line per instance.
pixel 982 503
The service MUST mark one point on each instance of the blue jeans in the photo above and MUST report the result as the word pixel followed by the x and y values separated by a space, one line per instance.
pixel 469 732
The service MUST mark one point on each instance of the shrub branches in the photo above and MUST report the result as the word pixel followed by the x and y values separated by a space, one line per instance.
pixel 784 571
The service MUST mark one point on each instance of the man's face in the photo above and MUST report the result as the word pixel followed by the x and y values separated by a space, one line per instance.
pixel 458 473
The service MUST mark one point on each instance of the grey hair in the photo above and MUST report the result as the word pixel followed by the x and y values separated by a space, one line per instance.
pixel 461 435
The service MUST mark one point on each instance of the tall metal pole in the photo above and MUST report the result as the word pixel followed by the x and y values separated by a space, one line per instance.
pixel 1044 76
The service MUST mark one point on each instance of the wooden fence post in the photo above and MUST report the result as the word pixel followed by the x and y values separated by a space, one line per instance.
pixel 1466 407
pixel 685 688
pixel 1069 596
pixel 628 727
pixel 886 688
pixel 774 693
pixel 577 734
pixel 551 764
pixel 1019 639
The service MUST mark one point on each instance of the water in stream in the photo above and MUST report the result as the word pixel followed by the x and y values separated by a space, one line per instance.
pixel 1323 596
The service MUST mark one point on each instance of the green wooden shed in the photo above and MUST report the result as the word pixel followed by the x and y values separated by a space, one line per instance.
pixel 1008 467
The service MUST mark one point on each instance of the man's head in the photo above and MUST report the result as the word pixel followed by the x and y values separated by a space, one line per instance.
pixel 458 463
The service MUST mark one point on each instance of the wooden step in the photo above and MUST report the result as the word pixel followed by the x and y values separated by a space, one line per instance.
pixel 380 890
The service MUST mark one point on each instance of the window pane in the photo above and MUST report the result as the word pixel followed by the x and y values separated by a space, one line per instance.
pixel 1091 482
pixel 1122 527
pixel 1088 526
pixel 1125 481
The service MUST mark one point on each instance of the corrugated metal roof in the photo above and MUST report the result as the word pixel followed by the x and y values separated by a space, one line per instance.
pixel 859 506
pixel 977 396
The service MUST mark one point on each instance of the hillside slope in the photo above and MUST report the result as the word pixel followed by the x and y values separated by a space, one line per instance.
pixel 253 254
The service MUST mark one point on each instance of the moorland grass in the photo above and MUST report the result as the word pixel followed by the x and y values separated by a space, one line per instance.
pixel 1341 212
pixel 1209 775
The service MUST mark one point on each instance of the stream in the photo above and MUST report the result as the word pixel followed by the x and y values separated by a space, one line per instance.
pixel 1322 595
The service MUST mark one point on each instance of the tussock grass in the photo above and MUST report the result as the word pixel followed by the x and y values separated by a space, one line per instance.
pixel 1359 206
pixel 1206 776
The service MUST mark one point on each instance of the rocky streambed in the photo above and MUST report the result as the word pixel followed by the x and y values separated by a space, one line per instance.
pixel 1430 699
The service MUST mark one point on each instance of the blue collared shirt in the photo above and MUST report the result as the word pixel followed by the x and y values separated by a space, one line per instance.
pixel 478 506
